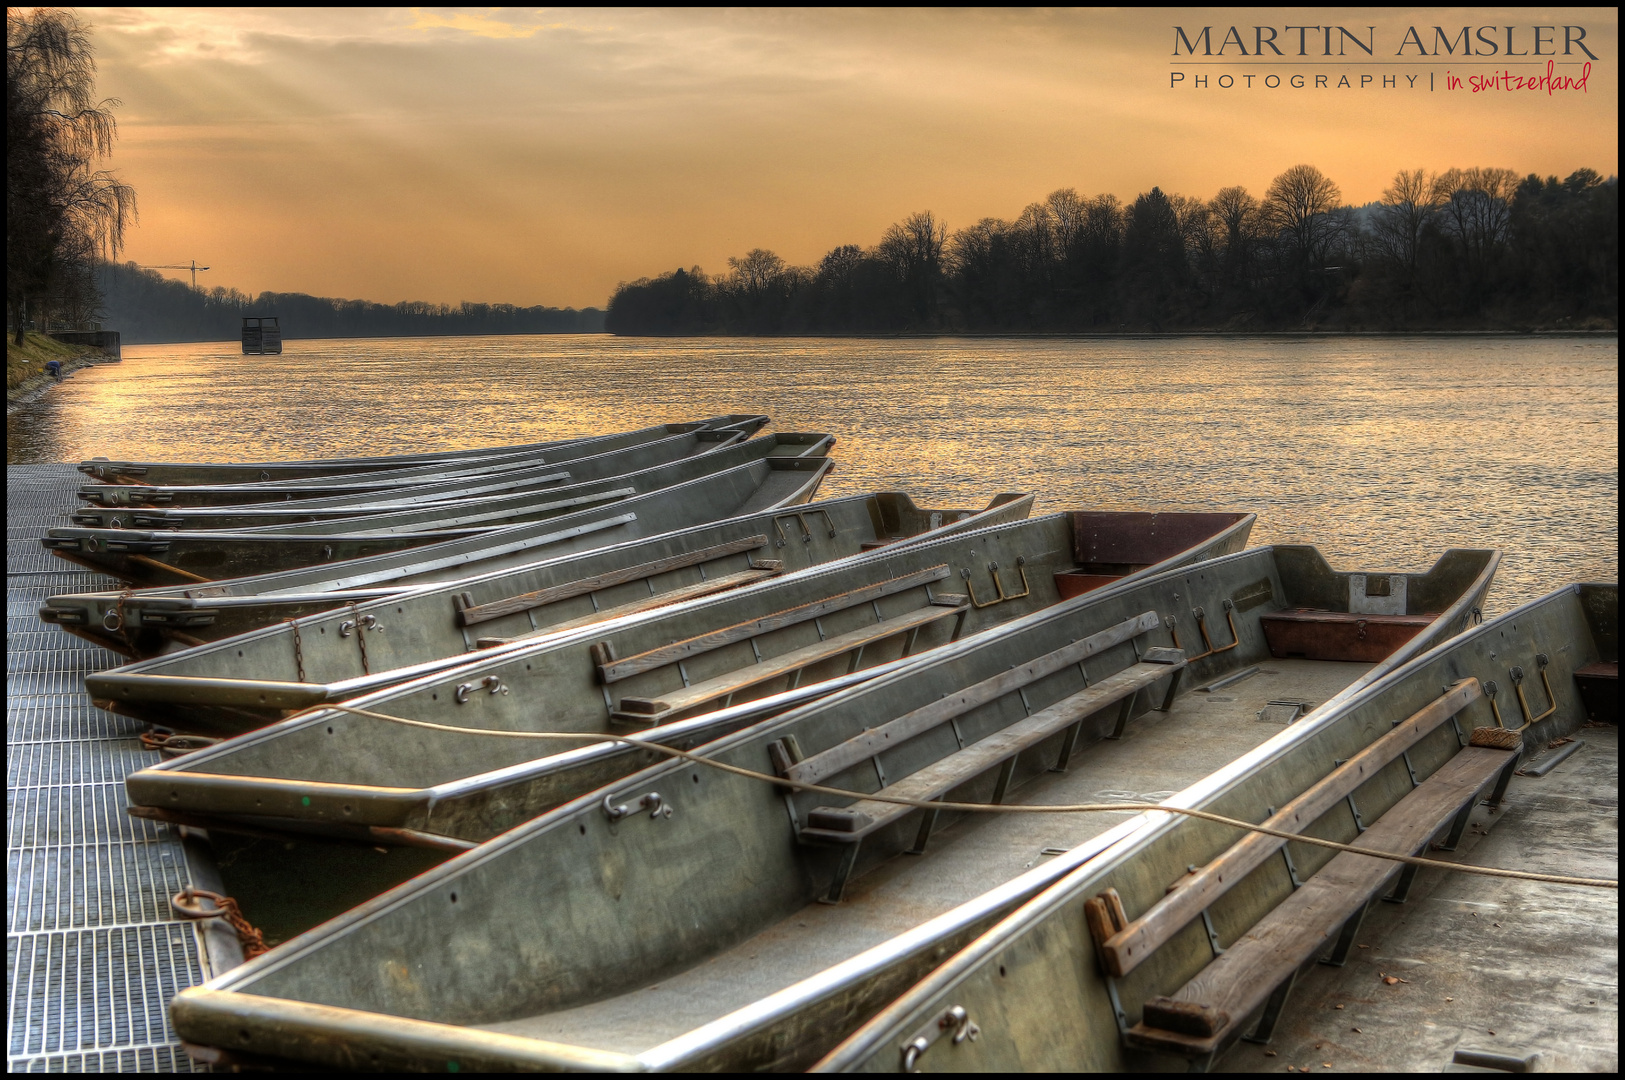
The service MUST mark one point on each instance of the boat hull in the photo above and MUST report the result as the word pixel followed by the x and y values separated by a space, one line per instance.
pixel 162 558
pixel 164 472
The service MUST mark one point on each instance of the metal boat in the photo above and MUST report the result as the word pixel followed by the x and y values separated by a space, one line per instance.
pixel 651 667
pixel 446 622
pixel 139 621
pixel 669 920
pixel 239 472
pixel 333 535
pixel 446 476
pixel 1165 939
pixel 435 494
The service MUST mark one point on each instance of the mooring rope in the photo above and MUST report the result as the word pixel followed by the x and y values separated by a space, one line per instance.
pixel 993 808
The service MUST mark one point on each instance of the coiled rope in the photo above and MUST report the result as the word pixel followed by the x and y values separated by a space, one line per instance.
pixel 992 808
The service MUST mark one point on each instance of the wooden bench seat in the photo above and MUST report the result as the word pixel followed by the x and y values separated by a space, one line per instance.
pixel 612 669
pixel 656 710
pixel 708 587
pixel 1257 970
pixel 1132 943
pixel 1309 634
pixel 849 825
pixel 472 614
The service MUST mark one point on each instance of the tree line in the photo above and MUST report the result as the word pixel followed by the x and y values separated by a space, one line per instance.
pixel 1462 249
pixel 144 306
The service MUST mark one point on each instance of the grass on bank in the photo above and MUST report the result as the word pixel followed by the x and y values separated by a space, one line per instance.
pixel 27 361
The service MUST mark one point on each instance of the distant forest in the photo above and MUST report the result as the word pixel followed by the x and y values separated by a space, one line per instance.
pixel 1466 249
pixel 144 306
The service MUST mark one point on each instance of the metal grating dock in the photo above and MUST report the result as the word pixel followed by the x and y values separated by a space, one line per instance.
pixel 93 952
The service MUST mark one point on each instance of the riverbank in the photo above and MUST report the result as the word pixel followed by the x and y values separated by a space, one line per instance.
pixel 25 365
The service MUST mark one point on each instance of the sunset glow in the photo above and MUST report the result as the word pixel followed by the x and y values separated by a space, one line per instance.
pixel 543 156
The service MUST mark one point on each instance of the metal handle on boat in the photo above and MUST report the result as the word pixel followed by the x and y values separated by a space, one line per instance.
pixel 1541 660
pixel 494 684
pixel 999 595
pixel 1201 625
pixel 1021 566
pixel 1490 690
pixel 806 530
pixel 651 802
pixel 953 1018
pixel 366 622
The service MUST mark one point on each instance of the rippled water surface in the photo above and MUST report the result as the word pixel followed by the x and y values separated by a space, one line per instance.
pixel 1382 451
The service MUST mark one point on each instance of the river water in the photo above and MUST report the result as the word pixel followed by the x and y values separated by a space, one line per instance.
pixel 1382 451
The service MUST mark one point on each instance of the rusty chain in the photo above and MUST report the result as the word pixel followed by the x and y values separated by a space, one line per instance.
pixel 298 650
pixel 360 638
pixel 184 903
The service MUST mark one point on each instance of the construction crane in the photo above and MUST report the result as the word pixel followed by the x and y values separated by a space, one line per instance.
pixel 194 267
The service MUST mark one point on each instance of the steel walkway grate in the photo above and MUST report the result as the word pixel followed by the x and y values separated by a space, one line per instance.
pixel 93 952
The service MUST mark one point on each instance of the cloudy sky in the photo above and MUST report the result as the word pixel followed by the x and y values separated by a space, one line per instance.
pixel 540 156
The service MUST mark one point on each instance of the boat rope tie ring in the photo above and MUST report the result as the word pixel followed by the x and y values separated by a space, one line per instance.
pixel 172 745
pixel 114 619
pixel 187 906
pixel 987 808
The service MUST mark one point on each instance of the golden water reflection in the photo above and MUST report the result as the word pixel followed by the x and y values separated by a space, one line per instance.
pixel 1382 451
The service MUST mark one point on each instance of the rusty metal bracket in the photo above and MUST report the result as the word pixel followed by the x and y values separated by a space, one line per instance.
pixel 806 530
pixel 1541 661
pixel 1201 625
pixel 1021 567
pixel 999 595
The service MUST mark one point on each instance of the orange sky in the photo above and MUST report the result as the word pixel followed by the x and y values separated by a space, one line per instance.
pixel 540 156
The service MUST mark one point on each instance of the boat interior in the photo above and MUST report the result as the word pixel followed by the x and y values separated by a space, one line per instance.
pixel 1184 937
pixel 690 893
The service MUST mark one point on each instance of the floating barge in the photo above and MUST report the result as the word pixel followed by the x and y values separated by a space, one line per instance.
pixel 261 335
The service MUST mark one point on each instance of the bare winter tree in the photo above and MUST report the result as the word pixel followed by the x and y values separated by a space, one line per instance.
pixel 1300 205
pixel 1406 207
pixel 1475 210
pixel 914 248
pixel 61 212
pixel 758 271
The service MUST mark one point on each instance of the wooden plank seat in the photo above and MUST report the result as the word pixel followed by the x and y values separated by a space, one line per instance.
pixel 708 587
pixel 1257 971
pixel 722 687
pixel 472 614
pixel 849 825
pixel 1310 634
pixel 1132 943
pixel 651 710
